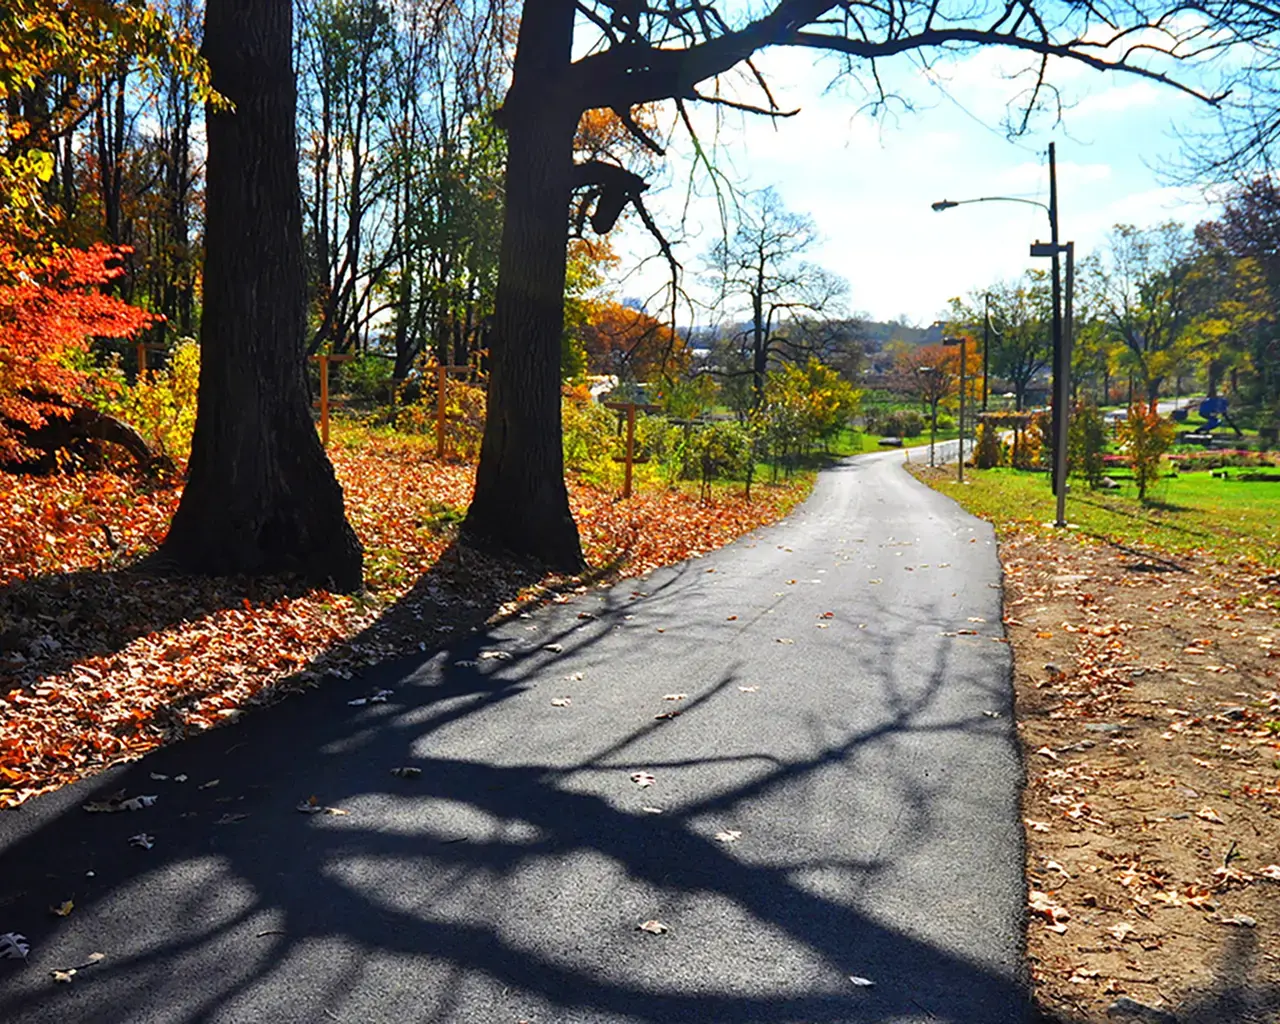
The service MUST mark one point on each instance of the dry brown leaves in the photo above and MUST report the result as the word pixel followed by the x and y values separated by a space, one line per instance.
pixel 1152 825
pixel 99 665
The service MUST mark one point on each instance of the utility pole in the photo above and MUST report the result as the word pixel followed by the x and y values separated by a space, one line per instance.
pixel 986 346
pixel 1061 348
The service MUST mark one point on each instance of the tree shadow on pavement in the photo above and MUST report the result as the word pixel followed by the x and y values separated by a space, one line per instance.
pixel 508 875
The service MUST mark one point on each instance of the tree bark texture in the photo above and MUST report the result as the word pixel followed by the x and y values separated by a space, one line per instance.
pixel 261 495
pixel 520 502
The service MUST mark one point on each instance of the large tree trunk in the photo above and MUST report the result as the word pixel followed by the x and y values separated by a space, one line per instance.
pixel 520 501
pixel 261 495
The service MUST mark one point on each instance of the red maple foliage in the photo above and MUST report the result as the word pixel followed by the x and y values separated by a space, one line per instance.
pixel 49 310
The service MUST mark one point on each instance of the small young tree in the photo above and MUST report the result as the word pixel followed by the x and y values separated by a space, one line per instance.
pixel 1145 437
pixel 1086 441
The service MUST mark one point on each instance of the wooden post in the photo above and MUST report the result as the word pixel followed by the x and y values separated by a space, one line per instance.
pixel 142 348
pixel 630 459
pixel 631 449
pixel 442 375
pixel 324 400
pixel 325 359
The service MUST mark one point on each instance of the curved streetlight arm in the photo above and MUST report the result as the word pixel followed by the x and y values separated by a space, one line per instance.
pixel 947 204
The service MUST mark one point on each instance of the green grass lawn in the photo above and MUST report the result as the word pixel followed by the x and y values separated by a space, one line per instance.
pixel 1193 511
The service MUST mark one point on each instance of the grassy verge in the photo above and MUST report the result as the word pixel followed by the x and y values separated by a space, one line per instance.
pixel 1227 519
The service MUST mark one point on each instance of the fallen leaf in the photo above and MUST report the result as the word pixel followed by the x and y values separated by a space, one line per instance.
pixel 117 803
pixel 1209 814
pixel 406 772
pixel 748 689
pixel 143 840
pixel 674 696
pixel 466 663
pixel 1121 931
pixel 180 778
pixel 1239 921
pixel 731 618
pixel 13 946
pixel 1271 871
pixel 495 655
pixel 651 810
pixel 1046 752
pixel 643 779
pixel 63 909
pixel 95 957
pixel 1036 826
pixel 576 677
pixel 784 640
pixel 667 716
pixel 210 784
pixel 64 976
pixel 729 836
pixel 561 702
pixel 653 927
pixel 553 648
pixel 861 982
pixel 230 819
pixel 159 778
pixel 310 805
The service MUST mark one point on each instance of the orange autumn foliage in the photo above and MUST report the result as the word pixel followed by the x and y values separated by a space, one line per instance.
pixel 631 343
pixel 48 313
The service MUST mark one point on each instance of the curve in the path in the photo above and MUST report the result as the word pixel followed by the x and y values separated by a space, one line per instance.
pixel 836 799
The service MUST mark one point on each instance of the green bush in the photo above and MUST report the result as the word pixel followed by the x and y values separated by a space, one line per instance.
pixel 590 435
pixel 722 449
pixel 1086 444
pixel 902 423
pixel 366 376
pixel 160 405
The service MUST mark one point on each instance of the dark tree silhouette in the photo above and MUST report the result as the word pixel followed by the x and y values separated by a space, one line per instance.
pixel 759 269
pixel 645 52
pixel 261 495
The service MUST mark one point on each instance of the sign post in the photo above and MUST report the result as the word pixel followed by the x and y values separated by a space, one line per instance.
pixel 325 359
pixel 142 348
pixel 630 458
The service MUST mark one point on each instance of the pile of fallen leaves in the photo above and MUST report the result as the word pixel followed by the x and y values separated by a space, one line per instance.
pixel 1149 713
pixel 99 664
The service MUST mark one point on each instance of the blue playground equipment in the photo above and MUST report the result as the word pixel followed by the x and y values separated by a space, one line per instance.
pixel 1211 409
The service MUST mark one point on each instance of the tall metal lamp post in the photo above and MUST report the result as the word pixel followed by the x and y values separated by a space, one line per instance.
pixel 1061 344
pixel 963 342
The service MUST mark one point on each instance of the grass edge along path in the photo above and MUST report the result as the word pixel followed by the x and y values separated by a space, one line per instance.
pixel 1193 513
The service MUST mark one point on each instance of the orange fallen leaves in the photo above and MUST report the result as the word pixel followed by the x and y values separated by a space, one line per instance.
pixel 102 666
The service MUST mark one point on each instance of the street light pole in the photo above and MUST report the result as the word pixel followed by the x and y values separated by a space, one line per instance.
pixel 986 346
pixel 1061 345
pixel 962 341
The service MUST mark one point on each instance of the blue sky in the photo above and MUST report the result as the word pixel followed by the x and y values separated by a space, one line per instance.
pixel 868 180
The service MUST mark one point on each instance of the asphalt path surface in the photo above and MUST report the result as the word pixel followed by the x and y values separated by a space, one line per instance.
pixel 837 799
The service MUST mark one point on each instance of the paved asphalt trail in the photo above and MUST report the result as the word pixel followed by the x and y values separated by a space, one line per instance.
pixel 863 765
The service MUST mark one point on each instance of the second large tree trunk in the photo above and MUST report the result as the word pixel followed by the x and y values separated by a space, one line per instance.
pixel 261 495
pixel 520 502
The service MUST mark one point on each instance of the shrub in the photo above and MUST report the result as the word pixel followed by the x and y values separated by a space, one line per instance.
pixel 367 376
pixel 1086 444
pixel 989 450
pixel 902 423
pixel 590 434
pixel 464 410
pixel 723 448
pixel 160 405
